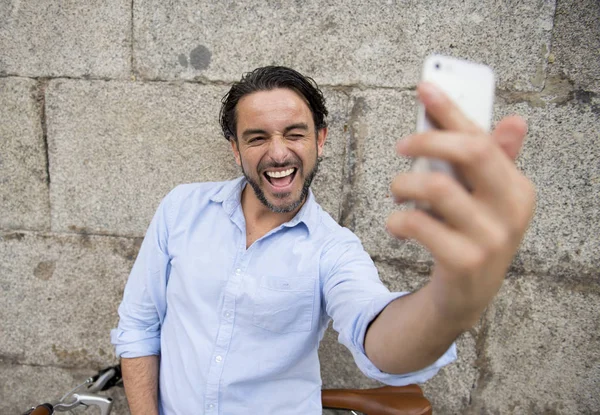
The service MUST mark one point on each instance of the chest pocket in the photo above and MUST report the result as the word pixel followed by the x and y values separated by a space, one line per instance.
pixel 284 305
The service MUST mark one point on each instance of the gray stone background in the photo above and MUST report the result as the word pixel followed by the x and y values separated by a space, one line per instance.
pixel 107 105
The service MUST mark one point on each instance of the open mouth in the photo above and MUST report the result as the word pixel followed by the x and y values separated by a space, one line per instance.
pixel 282 178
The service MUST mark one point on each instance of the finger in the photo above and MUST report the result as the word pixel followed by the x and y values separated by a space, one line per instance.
pixel 442 110
pixel 448 199
pixel 510 134
pixel 479 160
pixel 445 244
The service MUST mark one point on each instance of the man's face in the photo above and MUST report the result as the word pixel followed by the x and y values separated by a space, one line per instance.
pixel 277 147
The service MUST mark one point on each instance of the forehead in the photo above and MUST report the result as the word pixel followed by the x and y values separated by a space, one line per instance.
pixel 274 106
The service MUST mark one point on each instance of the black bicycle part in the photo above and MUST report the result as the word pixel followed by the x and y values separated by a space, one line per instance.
pixel 114 381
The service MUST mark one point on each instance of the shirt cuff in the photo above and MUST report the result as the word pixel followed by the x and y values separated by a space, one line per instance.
pixel 135 343
pixel 369 369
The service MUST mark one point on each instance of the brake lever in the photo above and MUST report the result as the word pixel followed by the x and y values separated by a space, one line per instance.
pixel 105 379
pixel 103 402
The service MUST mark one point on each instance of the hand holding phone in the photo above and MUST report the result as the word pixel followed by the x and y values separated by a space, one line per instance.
pixel 481 226
pixel 471 87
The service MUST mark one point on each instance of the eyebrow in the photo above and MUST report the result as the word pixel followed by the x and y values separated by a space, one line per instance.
pixel 298 126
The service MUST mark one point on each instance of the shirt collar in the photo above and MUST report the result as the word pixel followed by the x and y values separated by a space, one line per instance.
pixel 230 195
pixel 307 214
pixel 231 191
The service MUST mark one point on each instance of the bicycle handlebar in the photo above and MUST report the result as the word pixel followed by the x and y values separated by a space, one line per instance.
pixel 101 381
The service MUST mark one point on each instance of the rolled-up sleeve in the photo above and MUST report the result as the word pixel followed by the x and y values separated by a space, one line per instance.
pixel 143 307
pixel 354 296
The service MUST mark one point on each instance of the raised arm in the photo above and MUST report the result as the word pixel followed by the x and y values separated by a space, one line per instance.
pixel 472 245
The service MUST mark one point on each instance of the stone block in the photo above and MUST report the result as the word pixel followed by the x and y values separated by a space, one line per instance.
pixel 449 391
pixel 116 148
pixel 47 38
pixel 338 43
pixel 560 156
pixel 59 296
pixel 378 119
pixel 542 350
pixel 24 201
pixel 23 387
pixel 328 183
pixel 576 44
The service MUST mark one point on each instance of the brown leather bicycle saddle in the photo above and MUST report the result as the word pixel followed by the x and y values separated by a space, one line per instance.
pixel 386 400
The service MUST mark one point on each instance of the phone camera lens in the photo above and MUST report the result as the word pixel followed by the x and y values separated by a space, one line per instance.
pixel 437 65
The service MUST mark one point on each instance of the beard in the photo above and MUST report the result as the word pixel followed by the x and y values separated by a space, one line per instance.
pixel 260 195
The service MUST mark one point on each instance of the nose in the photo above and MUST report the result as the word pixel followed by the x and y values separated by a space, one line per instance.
pixel 278 150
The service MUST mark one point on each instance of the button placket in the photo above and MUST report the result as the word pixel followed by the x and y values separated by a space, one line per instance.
pixel 224 335
pixel 225 330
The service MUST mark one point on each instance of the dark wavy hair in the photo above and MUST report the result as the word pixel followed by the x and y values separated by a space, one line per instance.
pixel 265 79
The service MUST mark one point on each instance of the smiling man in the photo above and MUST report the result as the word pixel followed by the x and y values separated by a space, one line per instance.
pixel 280 143
pixel 236 282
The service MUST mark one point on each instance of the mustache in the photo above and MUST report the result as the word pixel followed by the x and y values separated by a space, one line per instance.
pixel 262 166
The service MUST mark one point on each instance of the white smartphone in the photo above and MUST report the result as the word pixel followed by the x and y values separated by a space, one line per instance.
pixel 471 86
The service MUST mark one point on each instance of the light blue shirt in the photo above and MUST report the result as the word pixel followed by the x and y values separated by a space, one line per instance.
pixel 237 329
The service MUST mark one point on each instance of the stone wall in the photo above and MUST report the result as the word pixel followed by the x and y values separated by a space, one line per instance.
pixel 106 105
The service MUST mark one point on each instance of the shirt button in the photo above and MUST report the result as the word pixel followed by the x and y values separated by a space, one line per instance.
pixel 238 271
pixel 210 406
pixel 227 314
pixel 218 359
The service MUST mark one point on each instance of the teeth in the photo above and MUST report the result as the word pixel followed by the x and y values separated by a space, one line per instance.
pixel 278 174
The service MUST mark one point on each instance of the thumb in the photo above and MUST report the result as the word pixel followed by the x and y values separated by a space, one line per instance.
pixel 510 134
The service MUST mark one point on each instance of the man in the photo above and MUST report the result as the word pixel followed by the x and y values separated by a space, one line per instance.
pixel 236 282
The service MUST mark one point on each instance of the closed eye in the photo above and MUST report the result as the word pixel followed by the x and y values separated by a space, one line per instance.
pixel 255 140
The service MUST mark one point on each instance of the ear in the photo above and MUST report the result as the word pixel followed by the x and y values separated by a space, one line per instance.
pixel 321 137
pixel 236 151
